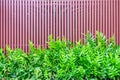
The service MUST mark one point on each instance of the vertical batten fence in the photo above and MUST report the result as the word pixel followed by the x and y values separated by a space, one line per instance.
pixel 24 20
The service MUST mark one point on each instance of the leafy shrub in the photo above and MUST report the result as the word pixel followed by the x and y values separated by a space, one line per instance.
pixel 94 60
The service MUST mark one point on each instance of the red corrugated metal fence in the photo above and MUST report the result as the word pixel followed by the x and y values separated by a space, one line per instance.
pixel 23 20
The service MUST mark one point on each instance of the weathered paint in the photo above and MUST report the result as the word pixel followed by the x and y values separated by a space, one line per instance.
pixel 24 20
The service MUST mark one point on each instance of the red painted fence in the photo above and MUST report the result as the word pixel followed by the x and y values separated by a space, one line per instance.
pixel 23 20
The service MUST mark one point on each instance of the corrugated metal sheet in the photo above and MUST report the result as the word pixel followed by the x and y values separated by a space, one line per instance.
pixel 23 20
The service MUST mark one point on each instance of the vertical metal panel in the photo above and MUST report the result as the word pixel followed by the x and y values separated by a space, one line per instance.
pixel 0 22
pixel 24 20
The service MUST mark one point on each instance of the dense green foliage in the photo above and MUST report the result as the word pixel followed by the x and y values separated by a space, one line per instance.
pixel 95 60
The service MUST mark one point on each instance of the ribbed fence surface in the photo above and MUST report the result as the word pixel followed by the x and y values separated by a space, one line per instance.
pixel 24 20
